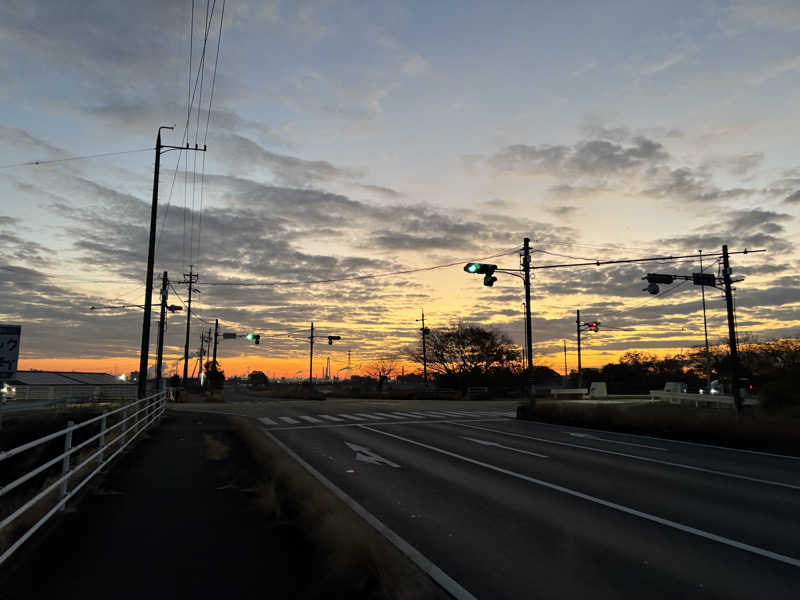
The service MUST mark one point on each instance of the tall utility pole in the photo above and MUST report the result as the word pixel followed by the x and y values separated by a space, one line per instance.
pixel 151 251
pixel 705 327
pixel 190 278
pixel 726 278
pixel 526 268
pixel 311 356
pixel 566 373
pixel 161 328
pixel 578 329
pixel 425 333
pixel 216 338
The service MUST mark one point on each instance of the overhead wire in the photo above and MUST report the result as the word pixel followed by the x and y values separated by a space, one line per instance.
pixel 33 163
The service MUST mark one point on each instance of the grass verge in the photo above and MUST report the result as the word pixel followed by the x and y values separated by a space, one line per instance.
pixel 353 555
pixel 753 430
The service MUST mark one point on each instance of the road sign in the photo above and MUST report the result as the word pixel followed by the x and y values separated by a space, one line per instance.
pixel 9 350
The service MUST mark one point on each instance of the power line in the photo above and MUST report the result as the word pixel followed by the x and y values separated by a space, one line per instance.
pixel 34 163
pixel 339 279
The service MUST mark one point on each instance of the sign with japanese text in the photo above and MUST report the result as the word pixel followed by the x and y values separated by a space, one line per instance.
pixel 9 350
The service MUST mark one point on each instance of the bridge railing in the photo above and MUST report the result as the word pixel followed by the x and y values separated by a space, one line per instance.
pixel 79 462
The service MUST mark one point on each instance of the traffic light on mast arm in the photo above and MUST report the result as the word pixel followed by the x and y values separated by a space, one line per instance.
pixel 653 279
pixel 254 337
pixel 331 339
pixel 592 325
pixel 483 269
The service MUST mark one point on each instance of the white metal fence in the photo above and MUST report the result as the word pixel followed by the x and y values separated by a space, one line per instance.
pixel 128 422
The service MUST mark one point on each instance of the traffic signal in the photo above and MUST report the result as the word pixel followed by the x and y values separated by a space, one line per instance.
pixel 483 269
pixel 254 337
pixel 173 308
pixel 425 330
pixel 250 336
pixel 658 278
pixel 331 338
pixel 592 325
pixel 707 279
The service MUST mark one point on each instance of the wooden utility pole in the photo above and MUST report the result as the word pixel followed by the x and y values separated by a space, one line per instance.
pixel 526 273
pixel 311 356
pixel 190 278
pixel 578 329
pixel 161 328
pixel 726 278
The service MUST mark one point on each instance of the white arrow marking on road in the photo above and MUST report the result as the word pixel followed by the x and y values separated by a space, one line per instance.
pixel 368 456
pixel 488 443
pixel 594 437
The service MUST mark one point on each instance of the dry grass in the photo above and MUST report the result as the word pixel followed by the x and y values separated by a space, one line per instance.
pixel 753 430
pixel 353 554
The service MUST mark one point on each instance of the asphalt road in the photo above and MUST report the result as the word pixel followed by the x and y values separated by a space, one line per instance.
pixel 517 509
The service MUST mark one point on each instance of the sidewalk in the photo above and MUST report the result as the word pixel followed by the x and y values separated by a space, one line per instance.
pixel 173 519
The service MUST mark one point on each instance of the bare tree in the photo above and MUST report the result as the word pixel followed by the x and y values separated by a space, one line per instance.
pixel 381 369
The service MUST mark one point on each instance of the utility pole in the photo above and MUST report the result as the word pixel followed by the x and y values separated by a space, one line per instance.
pixel 726 278
pixel 151 251
pixel 190 278
pixel 216 339
pixel 311 356
pixel 526 267
pixel 578 329
pixel 705 327
pixel 425 333
pixel 566 374
pixel 161 328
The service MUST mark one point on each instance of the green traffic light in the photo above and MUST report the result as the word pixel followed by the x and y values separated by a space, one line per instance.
pixel 250 336
pixel 472 267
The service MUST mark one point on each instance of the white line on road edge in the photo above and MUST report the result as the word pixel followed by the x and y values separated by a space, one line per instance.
pixel 495 444
pixel 589 436
pixel 267 421
pixel 289 420
pixel 331 418
pixel 635 457
pixel 434 572
pixel 669 440
pixel 620 507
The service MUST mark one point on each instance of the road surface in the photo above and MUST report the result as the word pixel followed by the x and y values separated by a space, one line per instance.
pixel 518 509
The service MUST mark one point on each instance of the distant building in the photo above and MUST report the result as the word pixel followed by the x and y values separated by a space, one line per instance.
pixel 51 385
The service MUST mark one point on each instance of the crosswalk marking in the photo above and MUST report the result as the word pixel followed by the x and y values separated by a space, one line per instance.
pixel 341 418
pixel 331 418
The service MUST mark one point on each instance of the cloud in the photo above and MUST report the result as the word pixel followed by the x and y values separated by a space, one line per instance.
pixel 415 65
pixel 740 164
pixel 379 189
pixel 691 185
pixel 764 15
pixel 662 65
pixel 563 211
pixel 243 155
pixel 591 157
pixel 793 198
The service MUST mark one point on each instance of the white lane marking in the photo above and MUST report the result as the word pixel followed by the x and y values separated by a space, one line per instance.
pixel 436 414
pixel 451 413
pixel 289 420
pixel 366 416
pixel 635 457
pixel 331 418
pixel 613 505
pixel 416 414
pixel 389 416
pixel 488 443
pixel 351 417
pixel 368 456
pixel 267 421
pixel 670 441
pixel 439 576
pixel 594 437
pixel 309 419
pixel 404 415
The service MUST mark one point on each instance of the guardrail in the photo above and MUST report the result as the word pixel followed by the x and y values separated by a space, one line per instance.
pixel 712 400
pixel 143 414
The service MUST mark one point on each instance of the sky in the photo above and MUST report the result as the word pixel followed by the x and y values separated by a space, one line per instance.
pixel 357 138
